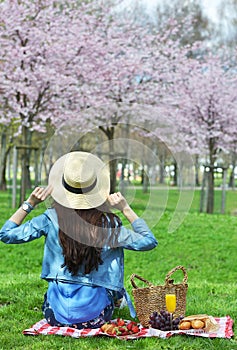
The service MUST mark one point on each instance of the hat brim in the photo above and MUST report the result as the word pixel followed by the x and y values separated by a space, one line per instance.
pixel 92 199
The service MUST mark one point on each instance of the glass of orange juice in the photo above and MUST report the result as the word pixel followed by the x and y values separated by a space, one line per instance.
pixel 170 301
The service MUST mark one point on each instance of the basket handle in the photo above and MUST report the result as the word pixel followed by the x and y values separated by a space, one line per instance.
pixel 141 279
pixel 185 279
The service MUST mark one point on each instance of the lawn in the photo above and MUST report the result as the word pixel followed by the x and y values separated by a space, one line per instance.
pixel 204 244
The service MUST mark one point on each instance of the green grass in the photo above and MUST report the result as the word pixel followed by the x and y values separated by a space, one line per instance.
pixel 204 244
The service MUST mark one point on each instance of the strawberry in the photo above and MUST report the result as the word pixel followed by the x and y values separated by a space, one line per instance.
pixel 126 333
pixel 135 329
pixel 120 322
pixel 122 329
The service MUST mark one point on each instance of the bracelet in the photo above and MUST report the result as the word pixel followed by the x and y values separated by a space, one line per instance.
pixel 26 206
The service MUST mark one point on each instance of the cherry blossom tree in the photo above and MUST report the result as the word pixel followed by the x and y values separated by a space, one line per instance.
pixel 60 59
pixel 203 103
pixel 50 52
pixel 32 75
pixel 84 65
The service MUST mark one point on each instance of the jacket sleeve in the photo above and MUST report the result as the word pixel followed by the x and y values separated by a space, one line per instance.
pixel 11 233
pixel 140 238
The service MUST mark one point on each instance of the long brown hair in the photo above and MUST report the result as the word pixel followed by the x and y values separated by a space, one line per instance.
pixel 83 233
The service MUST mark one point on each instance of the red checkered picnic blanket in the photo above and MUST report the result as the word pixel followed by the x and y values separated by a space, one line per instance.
pixel 42 327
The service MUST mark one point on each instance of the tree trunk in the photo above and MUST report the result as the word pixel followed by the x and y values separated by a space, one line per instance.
pixel 203 199
pixel 210 191
pixel 145 181
pixel 109 132
pixel 223 195
pixel 232 174
pixel 25 163
pixel 232 179
pixel 23 177
pixel 112 167
pixel 122 183
pixel 162 168
pixel 197 182
pixel 28 156
pixel 4 154
pixel 175 174
pixel 41 162
pixel 3 186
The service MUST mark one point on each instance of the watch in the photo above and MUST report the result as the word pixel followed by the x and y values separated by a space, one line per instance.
pixel 26 206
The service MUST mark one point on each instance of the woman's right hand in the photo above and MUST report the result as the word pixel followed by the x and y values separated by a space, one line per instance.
pixel 39 194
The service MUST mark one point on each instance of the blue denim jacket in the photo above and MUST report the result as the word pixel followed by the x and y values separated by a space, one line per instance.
pixel 109 275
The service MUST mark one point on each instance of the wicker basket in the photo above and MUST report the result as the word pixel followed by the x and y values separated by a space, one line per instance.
pixel 152 298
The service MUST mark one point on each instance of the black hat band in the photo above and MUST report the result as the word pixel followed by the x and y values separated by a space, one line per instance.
pixel 77 190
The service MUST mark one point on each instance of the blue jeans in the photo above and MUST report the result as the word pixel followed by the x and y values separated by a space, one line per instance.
pixel 97 322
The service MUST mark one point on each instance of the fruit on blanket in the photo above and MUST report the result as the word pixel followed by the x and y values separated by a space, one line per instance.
pixel 120 322
pixel 120 327
pixel 135 329
pixel 164 321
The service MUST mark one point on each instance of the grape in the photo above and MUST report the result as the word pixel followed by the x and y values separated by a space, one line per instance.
pixel 175 321
pixel 164 321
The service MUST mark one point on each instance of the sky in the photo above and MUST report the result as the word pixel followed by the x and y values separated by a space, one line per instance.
pixel 209 6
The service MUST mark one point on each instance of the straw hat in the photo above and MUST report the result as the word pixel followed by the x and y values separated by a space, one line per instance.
pixel 80 180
